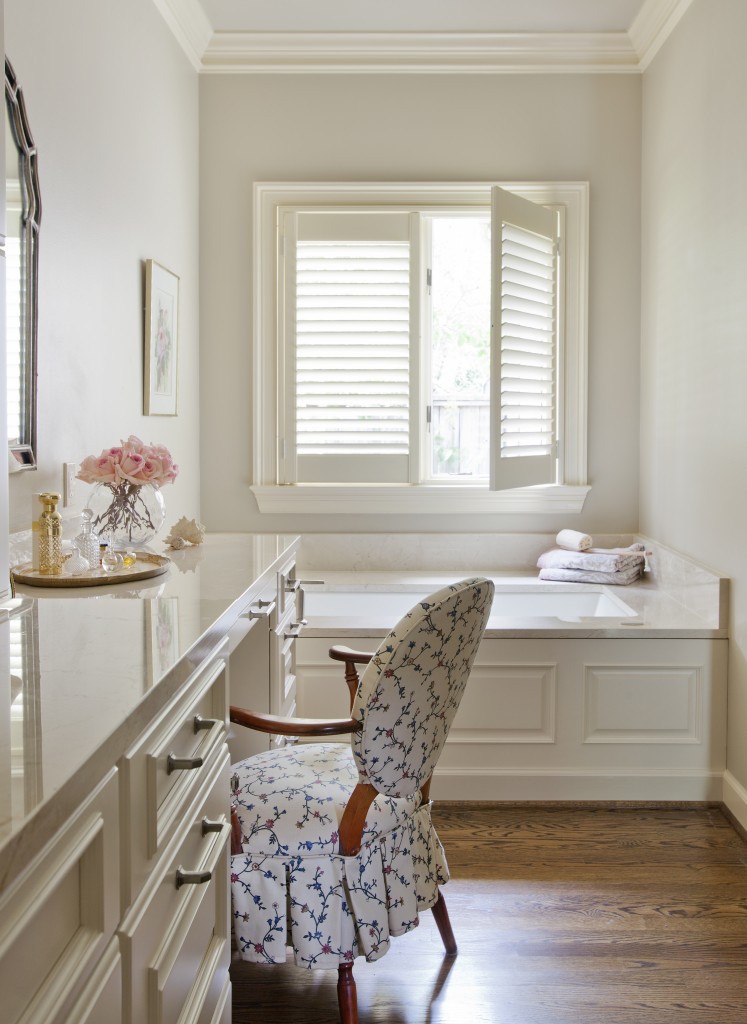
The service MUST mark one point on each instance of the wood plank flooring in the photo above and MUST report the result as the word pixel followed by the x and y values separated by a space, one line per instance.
pixel 563 916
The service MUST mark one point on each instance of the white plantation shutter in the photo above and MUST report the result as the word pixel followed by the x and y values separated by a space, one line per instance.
pixel 524 342
pixel 349 415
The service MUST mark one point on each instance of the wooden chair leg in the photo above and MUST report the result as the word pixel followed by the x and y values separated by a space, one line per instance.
pixel 441 915
pixel 346 994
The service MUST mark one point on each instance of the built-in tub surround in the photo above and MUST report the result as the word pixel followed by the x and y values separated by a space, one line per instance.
pixel 559 706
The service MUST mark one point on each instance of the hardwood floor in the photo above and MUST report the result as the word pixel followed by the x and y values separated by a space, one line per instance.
pixel 563 916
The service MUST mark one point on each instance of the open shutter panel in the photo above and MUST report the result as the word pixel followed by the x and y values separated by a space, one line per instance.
pixel 352 347
pixel 523 343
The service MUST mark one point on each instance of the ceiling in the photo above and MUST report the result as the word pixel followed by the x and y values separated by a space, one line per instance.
pixel 416 36
pixel 422 15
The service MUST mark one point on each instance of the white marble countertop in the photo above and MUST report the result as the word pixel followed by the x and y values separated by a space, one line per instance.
pixel 91 667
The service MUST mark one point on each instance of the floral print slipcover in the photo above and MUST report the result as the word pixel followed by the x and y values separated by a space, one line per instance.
pixel 290 885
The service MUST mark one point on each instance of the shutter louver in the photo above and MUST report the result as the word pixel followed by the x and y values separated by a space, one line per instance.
pixel 352 347
pixel 524 342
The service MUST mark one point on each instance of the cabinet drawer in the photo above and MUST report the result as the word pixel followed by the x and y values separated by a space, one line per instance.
pixel 176 936
pixel 56 920
pixel 100 1002
pixel 167 767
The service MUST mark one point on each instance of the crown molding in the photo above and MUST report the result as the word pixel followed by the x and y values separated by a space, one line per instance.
pixel 189 25
pixel 418 52
pixel 653 25
pixel 421 52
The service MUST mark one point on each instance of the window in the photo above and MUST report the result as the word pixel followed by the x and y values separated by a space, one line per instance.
pixel 379 385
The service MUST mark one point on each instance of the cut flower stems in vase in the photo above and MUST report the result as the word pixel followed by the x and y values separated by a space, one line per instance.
pixel 126 501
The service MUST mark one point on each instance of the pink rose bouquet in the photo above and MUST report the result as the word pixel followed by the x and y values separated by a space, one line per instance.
pixel 133 461
pixel 122 472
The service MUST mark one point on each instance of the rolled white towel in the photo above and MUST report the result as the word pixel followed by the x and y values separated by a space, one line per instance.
pixel 573 540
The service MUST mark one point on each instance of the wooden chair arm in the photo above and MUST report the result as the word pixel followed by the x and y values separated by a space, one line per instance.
pixel 340 653
pixel 351 659
pixel 292 726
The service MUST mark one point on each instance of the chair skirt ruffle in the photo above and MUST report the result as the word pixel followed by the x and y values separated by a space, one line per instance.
pixel 330 908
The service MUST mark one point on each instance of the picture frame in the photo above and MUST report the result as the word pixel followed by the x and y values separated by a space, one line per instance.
pixel 161 336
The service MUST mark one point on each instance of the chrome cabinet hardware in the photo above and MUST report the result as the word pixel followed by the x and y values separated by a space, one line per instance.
pixel 262 610
pixel 174 764
pixel 302 594
pixel 204 723
pixel 291 586
pixel 192 877
pixel 295 630
pixel 211 826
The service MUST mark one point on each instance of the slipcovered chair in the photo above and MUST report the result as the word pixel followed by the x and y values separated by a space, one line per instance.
pixel 333 848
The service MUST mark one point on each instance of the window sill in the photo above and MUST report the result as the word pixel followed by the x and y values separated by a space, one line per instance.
pixel 401 499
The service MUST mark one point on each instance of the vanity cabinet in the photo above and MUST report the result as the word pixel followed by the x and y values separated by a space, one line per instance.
pixel 114 888
pixel 174 936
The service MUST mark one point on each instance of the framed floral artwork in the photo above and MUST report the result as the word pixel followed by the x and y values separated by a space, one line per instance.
pixel 161 340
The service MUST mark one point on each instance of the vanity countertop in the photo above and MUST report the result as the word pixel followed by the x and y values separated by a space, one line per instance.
pixel 90 668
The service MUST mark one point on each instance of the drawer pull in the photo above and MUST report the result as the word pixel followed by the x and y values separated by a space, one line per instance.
pixel 204 723
pixel 174 764
pixel 211 826
pixel 295 630
pixel 262 611
pixel 192 877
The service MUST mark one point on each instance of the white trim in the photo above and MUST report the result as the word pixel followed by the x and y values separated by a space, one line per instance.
pixel 653 25
pixel 735 798
pixel 190 27
pixel 419 52
pixel 645 784
pixel 568 498
pixel 401 499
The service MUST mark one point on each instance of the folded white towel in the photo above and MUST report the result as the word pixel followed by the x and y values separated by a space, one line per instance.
pixel 621 577
pixel 591 561
pixel 572 540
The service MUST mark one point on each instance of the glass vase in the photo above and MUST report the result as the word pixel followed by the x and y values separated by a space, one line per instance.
pixel 131 513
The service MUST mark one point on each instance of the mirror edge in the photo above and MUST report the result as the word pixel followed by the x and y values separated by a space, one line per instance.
pixel 24 453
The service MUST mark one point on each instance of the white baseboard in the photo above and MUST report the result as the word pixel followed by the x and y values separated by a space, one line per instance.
pixel 735 798
pixel 570 785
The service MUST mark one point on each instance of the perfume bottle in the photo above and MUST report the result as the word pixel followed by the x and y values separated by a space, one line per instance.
pixel 111 560
pixel 76 564
pixel 88 540
pixel 50 536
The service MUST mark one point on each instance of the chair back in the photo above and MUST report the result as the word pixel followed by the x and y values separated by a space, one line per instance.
pixel 410 692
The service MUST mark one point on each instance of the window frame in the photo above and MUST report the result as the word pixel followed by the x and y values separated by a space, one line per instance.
pixel 566 496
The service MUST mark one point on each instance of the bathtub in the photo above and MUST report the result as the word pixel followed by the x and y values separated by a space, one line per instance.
pixel 384 604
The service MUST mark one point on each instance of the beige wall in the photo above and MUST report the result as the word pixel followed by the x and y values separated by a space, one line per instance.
pixel 694 302
pixel 112 103
pixel 400 128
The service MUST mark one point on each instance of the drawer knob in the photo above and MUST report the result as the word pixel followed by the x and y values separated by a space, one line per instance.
pixel 205 723
pixel 211 826
pixel 192 877
pixel 187 764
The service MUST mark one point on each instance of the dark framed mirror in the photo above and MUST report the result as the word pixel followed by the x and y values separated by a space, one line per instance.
pixel 23 216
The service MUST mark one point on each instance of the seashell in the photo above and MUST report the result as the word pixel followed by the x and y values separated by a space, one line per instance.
pixel 185 531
